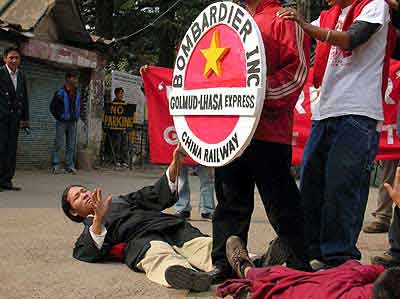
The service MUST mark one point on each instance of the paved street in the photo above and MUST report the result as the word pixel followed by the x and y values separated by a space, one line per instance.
pixel 37 240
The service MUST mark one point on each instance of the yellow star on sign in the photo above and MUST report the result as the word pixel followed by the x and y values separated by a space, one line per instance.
pixel 214 56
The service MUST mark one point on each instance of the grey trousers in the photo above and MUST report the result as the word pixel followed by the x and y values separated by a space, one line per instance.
pixel 384 209
pixel 394 235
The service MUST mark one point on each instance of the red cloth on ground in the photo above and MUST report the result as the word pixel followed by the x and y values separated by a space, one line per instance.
pixel 348 281
pixel 328 20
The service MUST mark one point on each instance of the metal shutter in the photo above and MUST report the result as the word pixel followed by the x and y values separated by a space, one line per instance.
pixel 34 151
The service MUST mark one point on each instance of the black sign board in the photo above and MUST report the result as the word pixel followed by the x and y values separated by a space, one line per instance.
pixel 119 116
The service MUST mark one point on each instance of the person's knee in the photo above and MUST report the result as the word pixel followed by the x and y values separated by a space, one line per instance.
pixel 386 286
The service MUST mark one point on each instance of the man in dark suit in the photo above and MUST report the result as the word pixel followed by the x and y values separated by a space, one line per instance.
pixel 166 247
pixel 14 114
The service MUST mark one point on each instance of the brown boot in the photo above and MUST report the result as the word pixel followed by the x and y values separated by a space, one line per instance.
pixel 237 255
pixel 376 228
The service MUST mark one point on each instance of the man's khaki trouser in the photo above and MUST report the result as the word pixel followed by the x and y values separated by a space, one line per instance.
pixel 195 253
pixel 384 210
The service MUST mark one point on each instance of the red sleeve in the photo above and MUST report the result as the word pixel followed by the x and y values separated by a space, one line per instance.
pixel 290 72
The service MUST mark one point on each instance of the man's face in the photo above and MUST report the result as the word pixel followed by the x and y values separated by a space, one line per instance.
pixel 73 81
pixel 120 95
pixel 13 60
pixel 81 201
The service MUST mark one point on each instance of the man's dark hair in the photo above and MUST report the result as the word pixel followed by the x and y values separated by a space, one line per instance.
pixel 70 75
pixel 387 285
pixel 66 206
pixel 11 49
pixel 118 90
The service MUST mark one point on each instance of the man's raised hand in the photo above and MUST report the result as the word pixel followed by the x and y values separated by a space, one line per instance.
pixel 100 207
pixel 394 191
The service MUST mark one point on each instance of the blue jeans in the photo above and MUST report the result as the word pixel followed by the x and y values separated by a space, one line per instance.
pixel 65 131
pixel 335 177
pixel 207 204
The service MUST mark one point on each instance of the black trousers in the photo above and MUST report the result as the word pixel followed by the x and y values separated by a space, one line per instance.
pixel 267 166
pixel 9 129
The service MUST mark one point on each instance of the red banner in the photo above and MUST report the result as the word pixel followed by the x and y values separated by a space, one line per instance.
pixel 163 137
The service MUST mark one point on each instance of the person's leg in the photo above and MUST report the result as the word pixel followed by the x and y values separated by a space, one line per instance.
pixel 312 184
pixel 207 204
pixel 234 186
pixel 116 144
pixel 163 265
pixel 158 258
pixel 281 197
pixel 354 145
pixel 198 253
pixel 58 143
pixel 4 123
pixel 183 204
pixel 70 145
pixel 384 211
pixel 13 132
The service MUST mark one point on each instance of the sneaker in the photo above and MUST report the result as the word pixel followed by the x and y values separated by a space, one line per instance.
pixel 125 165
pixel 386 260
pixel 278 253
pixel 237 256
pixel 376 228
pixel 183 214
pixel 117 164
pixel 207 216
pixel 180 277
pixel 71 170
pixel 57 170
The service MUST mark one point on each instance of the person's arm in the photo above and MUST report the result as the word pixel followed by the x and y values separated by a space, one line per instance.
pixel 25 112
pixel 294 58
pixel 358 33
pixel 90 246
pixel 87 249
pixel 394 190
pixel 162 195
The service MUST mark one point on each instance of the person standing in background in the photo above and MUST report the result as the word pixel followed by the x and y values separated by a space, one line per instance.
pixel 14 114
pixel 65 108
pixel 207 205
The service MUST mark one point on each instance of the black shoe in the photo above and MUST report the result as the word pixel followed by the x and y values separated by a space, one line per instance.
pixel 278 253
pixel 237 256
pixel 10 187
pixel 1 189
pixel 183 214
pixel 208 216
pixel 180 277
pixel 220 274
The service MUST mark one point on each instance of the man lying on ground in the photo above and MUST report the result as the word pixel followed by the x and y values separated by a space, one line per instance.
pixel 351 280
pixel 167 248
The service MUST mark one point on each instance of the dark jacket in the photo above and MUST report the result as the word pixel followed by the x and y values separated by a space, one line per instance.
pixel 13 102
pixel 57 106
pixel 136 219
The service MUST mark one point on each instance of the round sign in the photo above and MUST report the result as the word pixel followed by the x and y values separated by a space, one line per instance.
pixel 219 83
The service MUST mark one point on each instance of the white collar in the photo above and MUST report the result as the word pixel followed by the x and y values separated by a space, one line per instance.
pixel 10 71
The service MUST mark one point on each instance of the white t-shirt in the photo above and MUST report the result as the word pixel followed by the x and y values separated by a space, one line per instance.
pixel 353 85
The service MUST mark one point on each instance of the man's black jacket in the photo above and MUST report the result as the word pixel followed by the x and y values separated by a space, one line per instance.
pixel 13 102
pixel 137 219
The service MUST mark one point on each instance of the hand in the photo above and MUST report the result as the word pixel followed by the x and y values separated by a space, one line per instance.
pixel 143 69
pixel 100 207
pixel 290 14
pixel 177 160
pixel 24 124
pixel 393 4
pixel 394 191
